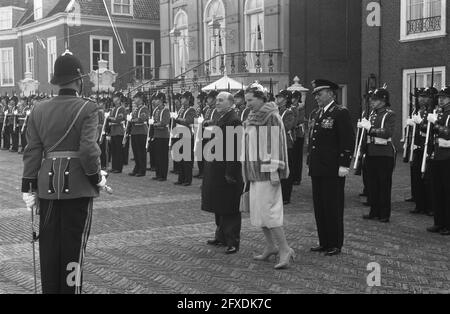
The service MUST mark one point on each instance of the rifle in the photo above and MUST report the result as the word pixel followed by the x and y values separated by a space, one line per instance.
pixel 147 142
pixel 128 125
pixel 417 109
pixel 409 138
pixel 359 154
pixel 4 122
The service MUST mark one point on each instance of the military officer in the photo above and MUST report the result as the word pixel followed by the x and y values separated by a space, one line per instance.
pixel 139 130
pixel 24 112
pixel 441 164
pixel 297 157
pixel 186 119
pixel 116 123
pixel 62 176
pixel 14 120
pixel 283 100
pixel 160 139
pixel 241 107
pixel 3 109
pixel 380 156
pixel 422 186
pixel 330 155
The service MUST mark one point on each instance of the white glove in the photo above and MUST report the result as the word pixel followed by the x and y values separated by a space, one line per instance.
pixel 30 200
pixel 343 172
pixel 200 120
pixel 16 112
pixel 129 117
pixel 151 121
pixel 174 115
pixel 432 118
pixel 410 122
pixel 366 124
pixel 28 112
pixel 359 125
pixel 6 112
pixel 107 115
pixel 102 183
pixel 417 119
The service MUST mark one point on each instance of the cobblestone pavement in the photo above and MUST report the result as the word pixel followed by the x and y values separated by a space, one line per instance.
pixel 150 238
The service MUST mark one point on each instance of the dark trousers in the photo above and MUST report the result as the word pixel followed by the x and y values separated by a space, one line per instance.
pixel 140 155
pixel 15 139
pixel 161 153
pixel 65 228
pixel 379 172
pixel 117 153
pixel 286 184
pixel 7 137
pixel 441 193
pixel 23 140
pixel 126 151
pixel 421 186
pixel 152 150
pixel 228 229
pixel 297 160
pixel 176 164
pixel 328 197
pixel 185 174
pixel 106 150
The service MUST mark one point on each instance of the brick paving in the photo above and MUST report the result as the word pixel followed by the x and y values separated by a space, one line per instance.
pixel 150 238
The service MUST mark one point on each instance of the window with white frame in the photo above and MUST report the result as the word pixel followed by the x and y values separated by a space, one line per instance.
pixel 180 38
pixel 144 59
pixel 51 56
pixel 254 30
pixel 422 19
pixel 215 37
pixel 38 10
pixel 7 66
pixel 122 7
pixel 424 80
pixel 29 58
pixel 101 49
pixel 5 18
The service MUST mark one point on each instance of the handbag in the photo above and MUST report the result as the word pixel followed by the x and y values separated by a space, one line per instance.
pixel 244 206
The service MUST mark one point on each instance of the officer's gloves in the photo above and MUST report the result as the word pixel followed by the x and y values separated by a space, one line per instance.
pixel 343 172
pixel 365 124
pixel 102 183
pixel 200 119
pixel 174 115
pixel 151 121
pixel 417 119
pixel 432 118
pixel 30 200
pixel 129 117
pixel 107 115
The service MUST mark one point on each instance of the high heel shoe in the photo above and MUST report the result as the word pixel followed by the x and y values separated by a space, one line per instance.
pixel 284 264
pixel 265 256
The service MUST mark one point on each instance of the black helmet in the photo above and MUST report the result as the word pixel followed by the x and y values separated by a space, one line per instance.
pixel 213 94
pixel 285 94
pixel 445 92
pixel 68 69
pixel 188 95
pixel 381 94
pixel 297 95
pixel 160 96
pixel 428 92
pixel 139 95
pixel 118 95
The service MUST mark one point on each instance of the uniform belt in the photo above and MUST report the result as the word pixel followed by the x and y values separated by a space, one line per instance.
pixel 63 155
pixel 443 143
pixel 139 124
pixel 113 124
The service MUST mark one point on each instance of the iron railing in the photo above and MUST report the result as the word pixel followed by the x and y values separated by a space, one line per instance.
pixel 424 25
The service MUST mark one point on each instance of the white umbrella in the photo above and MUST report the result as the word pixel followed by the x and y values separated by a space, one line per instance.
pixel 224 84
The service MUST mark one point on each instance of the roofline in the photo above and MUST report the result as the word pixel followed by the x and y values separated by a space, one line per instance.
pixel 86 20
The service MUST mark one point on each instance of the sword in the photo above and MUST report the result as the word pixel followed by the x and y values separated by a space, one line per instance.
pixel 33 243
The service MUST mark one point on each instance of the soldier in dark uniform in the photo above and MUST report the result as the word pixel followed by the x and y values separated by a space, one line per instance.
pixel 24 112
pixel 300 127
pixel 177 105
pixel 186 119
pixel 380 156
pixel 139 130
pixel 441 164
pixel 62 172
pixel 8 126
pixel 116 123
pixel 103 141
pixel 3 108
pixel 151 145
pixel 15 125
pixel 422 185
pixel 330 154
pixel 160 139
pixel 283 100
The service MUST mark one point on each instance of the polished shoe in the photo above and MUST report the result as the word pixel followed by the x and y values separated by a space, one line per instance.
pixel 368 217
pixel 162 180
pixel 318 249
pixel 140 175
pixel 434 229
pixel 231 250
pixel 116 172
pixel 333 252
pixel 186 184
pixel 178 183
pixel 445 232
pixel 156 179
pixel 410 200
pixel 214 242
pixel 132 174
pixel 284 264
pixel 266 256
pixel 384 220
